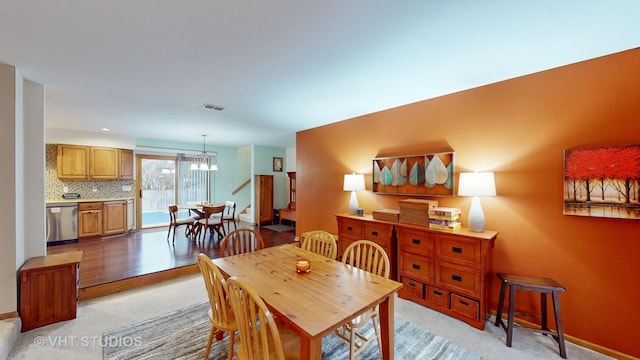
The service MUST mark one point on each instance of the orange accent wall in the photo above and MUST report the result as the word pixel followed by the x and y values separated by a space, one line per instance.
pixel 517 128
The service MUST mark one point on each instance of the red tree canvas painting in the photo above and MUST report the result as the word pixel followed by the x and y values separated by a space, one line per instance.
pixel 602 181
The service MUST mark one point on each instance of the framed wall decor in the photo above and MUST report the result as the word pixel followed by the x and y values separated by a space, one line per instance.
pixel 602 181
pixel 277 164
pixel 426 174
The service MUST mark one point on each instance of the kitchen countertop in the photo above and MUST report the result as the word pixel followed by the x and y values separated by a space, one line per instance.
pixel 83 200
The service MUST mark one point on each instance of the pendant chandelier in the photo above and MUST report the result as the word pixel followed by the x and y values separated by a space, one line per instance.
pixel 203 159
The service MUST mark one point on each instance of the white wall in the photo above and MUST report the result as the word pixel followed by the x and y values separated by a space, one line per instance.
pixel 8 221
pixel 34 169
pixel 22 179
pixel 60 136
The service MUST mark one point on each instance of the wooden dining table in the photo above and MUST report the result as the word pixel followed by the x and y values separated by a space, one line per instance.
pixel 316 303
pixel 197 208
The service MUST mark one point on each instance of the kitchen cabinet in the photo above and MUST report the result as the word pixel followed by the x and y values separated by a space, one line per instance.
pixel 114 217
pixel 99 163
pixel 73 162
pixel 130 214
pixel 104 163
pixel 89 219
pixel 447 271
pixel 264 213
pixel 49 289
pixel 126 164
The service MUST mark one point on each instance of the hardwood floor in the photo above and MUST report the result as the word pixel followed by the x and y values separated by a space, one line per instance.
pixel 122 262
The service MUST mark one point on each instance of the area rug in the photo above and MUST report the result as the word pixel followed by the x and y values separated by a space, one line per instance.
pixel 279 227
pixel 183 334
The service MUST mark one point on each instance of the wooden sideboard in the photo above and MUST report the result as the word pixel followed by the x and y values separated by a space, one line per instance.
pixel 447 271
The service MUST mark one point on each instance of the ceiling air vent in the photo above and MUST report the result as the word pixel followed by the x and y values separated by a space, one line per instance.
pixel 212 107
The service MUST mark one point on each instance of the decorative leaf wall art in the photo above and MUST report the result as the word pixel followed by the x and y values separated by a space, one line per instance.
pixel 425 174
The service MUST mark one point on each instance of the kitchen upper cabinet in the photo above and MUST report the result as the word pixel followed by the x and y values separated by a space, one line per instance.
pixel 104 163
pixel 126 164
pixel 73 162
pixel 99 163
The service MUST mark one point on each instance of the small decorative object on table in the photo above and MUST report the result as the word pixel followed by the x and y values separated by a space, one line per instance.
pixel 386 214
pixel 303 266
pixel 360 211
pixel 444 218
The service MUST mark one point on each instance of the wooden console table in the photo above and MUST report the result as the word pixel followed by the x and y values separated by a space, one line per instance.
pixel 447 271
pixel 49 289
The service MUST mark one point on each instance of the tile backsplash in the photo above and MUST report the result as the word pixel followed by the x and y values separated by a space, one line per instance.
pixel 105 189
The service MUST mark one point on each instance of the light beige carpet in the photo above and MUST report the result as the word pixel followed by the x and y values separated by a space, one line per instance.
pixel 182 334
pixel 80 338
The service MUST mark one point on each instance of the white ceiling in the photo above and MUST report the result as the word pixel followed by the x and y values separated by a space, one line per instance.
pixel 144 67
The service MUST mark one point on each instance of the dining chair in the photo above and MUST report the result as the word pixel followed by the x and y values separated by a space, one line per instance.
pixel 175 222
pixel 229 215
pixel 220 312
pixel 260 335
pixel 320 242
pixel 371 257
pixel 211 221
pixel 241 241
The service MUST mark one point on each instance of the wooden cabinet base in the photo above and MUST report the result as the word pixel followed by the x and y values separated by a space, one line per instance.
pixel 444 270
pixel 49 289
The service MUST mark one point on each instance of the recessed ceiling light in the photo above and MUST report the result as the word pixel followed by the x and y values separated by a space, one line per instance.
pixel 212 107
pixel 105 129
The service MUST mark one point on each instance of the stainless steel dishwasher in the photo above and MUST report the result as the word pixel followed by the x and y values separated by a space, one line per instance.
pixel 62 222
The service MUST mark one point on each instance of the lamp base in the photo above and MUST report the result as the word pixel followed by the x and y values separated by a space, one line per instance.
pixel 476 216
pixel 353 204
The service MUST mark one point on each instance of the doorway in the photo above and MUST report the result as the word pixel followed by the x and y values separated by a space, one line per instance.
pixel 156 181
pixel 165 180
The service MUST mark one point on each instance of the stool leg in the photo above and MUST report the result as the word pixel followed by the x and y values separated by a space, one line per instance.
pixel 503 289
pixel 543 311
pixel 512 302
pixel 556 311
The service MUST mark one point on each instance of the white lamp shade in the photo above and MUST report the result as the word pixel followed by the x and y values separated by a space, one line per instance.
pixel 353 182
pixel 477 184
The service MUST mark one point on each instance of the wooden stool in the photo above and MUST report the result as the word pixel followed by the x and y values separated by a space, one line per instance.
pixel 543 286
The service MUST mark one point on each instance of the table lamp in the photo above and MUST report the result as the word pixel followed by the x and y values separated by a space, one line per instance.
pixel 476 184
pixel 353 182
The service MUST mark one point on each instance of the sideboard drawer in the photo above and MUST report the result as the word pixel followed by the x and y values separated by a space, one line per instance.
pixel 412 288
pixel 417 267
pixel 465 307
pixel 351 228
pixel 459 279
pixel 417 242
pixel 378 233
pixel 438 296
pixel 459 250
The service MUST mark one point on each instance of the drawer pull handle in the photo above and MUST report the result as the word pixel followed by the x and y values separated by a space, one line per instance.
pixel 456 277
pixel 411 284
pixel 456 249
pixel 374 233
pixel 415 266
pixel 437 293
pixel 464 303
pixel 349 228
pixel 416 241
